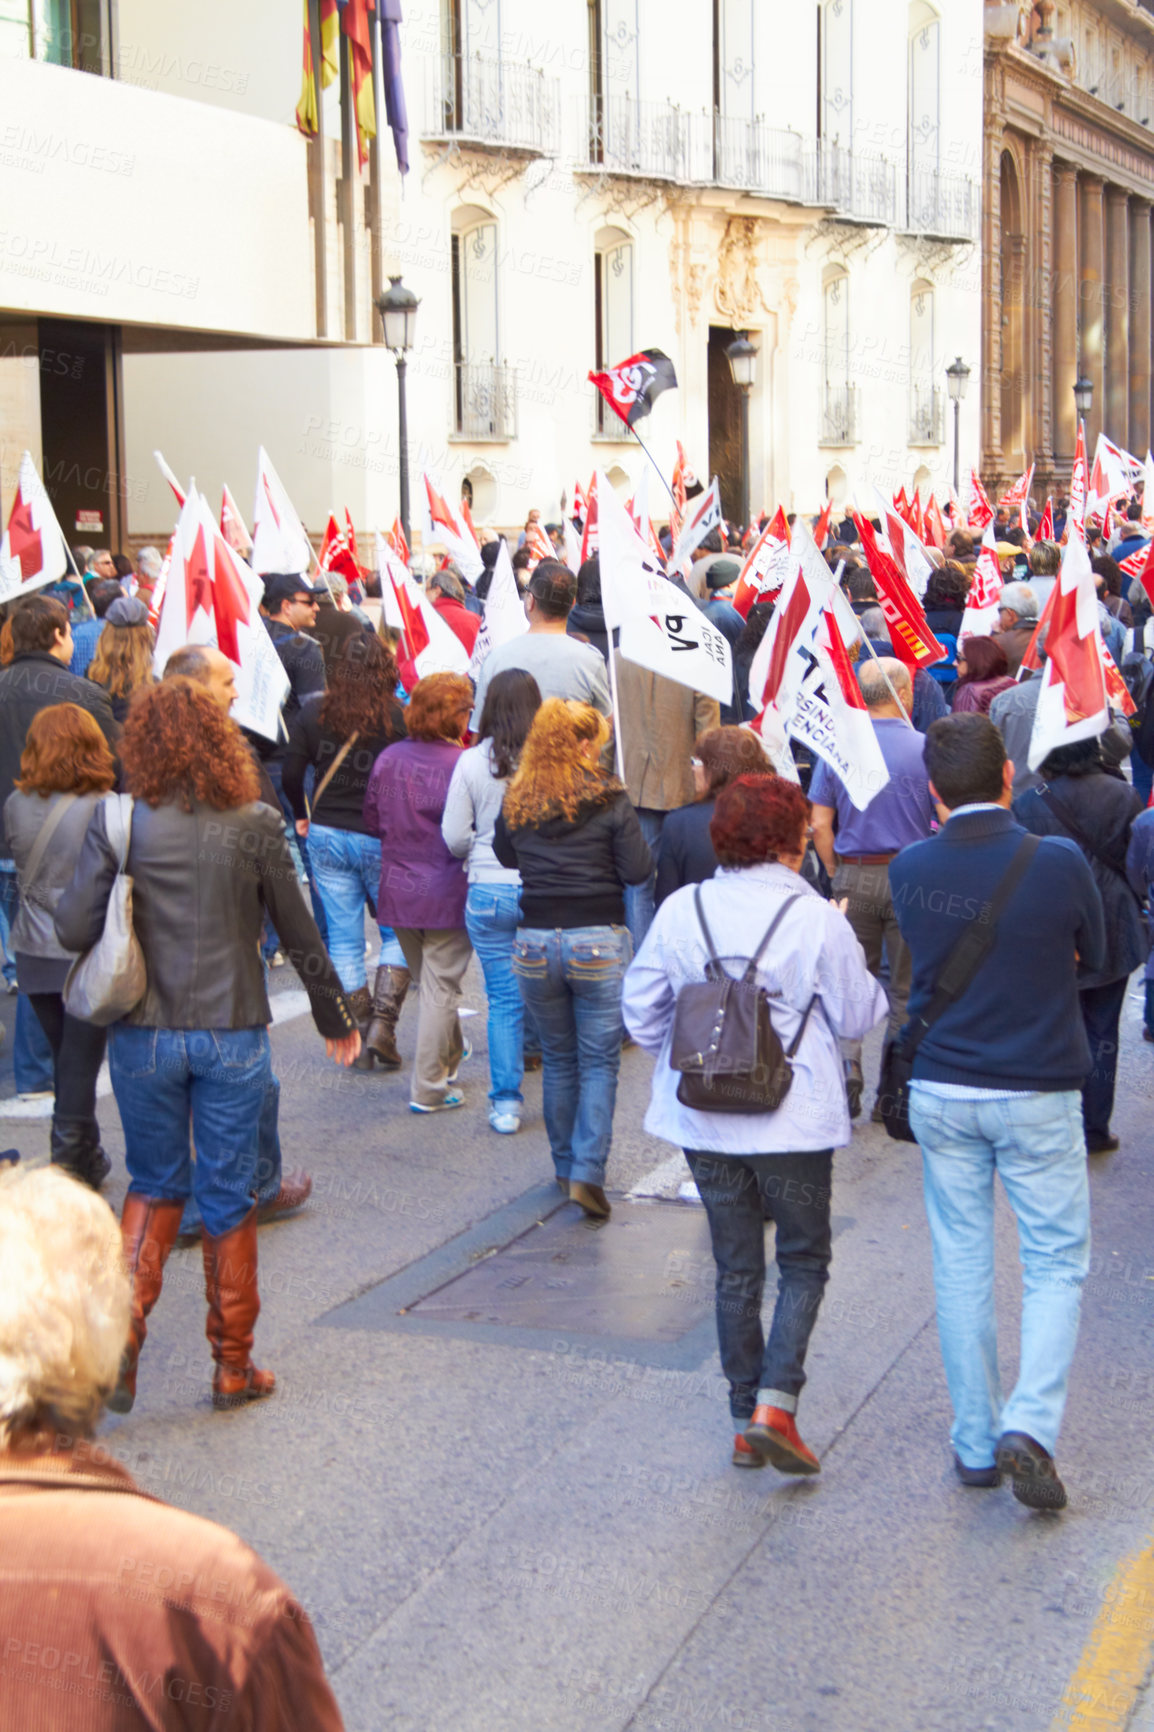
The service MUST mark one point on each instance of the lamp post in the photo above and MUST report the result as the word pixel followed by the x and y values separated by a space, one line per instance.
pixel 398 310
pixel 742 357
pixel 957 379
pixel 1083 395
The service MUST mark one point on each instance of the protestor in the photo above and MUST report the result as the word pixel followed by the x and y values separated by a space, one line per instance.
pixel 1077 798
pixel 856 847
pixel 493 905
pixel 929 703
pixel 206 857
pixel 587 615
pixel 562 666
pixel 1140 872
pixel 944 602
pixel 1108 581
pixel 756 625
pixel 755 1166
pixel 157 1617
pixel 340 735
pixel 983 673
pixel 659 722
pixel 65 767
pixel 996 1089
pixel 149 565
pixel 685 854
pixel 122 662
pixel 291 606
pixel 86 632
pixel 568 827
pixel 422 885
pixel 446 591
pixel 1013 711
pixel 1017 620
pixel 335 623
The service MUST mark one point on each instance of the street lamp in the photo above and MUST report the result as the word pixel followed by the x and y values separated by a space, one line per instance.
pixel 398 310
pixel 742 357
pixel 957 379
pixel 1083 395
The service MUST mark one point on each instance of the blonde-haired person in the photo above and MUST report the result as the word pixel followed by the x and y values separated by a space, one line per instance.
pixel 68 1508
pixel 569 829
pixel 122 660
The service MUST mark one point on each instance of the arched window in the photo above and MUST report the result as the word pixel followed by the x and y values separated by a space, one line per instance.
pixel 835 109
pixel 483 395
pixel 926 409
pixel 838 406
pixel 612 312
pixel 925 118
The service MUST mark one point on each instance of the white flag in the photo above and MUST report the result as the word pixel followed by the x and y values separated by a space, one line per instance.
pixel 279 542
pixel 428 642
pixel 661 628
pixel 1072 703
pixel 33 551
pixel 504 616
pixel 908 552
pixel 703 515
pixel 441 526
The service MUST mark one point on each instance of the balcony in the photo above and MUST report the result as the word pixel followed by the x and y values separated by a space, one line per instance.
pixel 493 104
pixel 944 206
pixel 653 140
pixel 859 189
pixel 839 416
pixel 763 159
pixel 927 416
pixel 484 401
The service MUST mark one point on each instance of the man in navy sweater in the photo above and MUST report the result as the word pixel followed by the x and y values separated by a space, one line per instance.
pixel 996 1088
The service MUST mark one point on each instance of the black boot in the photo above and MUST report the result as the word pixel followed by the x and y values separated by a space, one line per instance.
pixel 76 1148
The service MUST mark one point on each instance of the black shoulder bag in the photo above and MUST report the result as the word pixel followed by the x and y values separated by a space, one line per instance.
pixel 724 1042
pixel 958 971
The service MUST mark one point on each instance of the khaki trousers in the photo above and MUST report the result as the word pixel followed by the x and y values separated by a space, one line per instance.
pixel 437 960
pixel 870 912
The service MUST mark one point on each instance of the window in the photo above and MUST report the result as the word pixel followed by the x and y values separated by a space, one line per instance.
pixel 613 313
pixel 733 49
pixel 927 423
pixel 925 92
pixel 838 405
pixel 75 33
pixel 483 391
pixel 835 105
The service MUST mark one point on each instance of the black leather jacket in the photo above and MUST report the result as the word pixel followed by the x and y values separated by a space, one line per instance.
pixel 29 684
pixel 202 882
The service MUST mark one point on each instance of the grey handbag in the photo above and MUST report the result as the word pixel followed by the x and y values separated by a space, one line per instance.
pixel 109 980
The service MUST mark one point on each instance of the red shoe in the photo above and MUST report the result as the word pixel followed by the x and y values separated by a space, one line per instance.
pixel 295 1191
pixel 743 1455
pixel 772 1435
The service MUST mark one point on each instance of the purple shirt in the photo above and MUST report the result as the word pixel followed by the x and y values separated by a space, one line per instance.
pixel 422 884
pixel 899 813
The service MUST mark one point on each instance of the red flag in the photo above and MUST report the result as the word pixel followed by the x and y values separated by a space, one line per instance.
pixel 1076 516
pixel 766 565
pixel 230 604
pixel 980 511
pixel 631 388
pixel 901 503
pixel 787 629
pixel 821 529
pixel 915 518
pixel 335 554
pixel 589 537
pixel 396 540
pixel 232 525
pixel 1146 575
pixel 934 524
pixel 355 25
pixel 1046 527
pixel 1032 659
pixel 911 638
pixel 197 582
pixel 351 537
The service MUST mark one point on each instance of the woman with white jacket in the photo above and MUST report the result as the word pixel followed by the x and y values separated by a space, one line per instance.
pixel 759 1166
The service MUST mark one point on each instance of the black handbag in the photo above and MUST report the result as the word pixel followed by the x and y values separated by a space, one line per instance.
pixel 958 972
pixel 724 1042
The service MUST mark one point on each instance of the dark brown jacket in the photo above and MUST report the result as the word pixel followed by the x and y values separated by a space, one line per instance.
pixel 122 1614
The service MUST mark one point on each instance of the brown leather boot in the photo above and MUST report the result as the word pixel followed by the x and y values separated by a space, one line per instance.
pixel 148 1228
pixel 389 991
pixel 233 1308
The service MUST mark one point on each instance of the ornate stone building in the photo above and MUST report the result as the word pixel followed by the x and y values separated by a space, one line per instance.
pixel 1068 186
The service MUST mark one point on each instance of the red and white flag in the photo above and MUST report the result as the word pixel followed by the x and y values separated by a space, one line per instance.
pixel 504 616
pixel 913 641
pixel 213 597
pixel 395 537
pixel 590 534
pixel 336 555
pixel 1016 497
pixel 979 511
pixel 1141 566
pixel 1072 702
pixel 1076 515
pixel 539 545
pixel 279 542
pixel 33 551
pixel 444 527
pixel 703 515
pixel 428 644
pixel 767 565
pixel 1046 526
pixel 232 525
pixel 804 683
pixel 906 547
pixel 177 489
pixel 579 505
pixel 980 618
pixel 933 524
pixel 1146 522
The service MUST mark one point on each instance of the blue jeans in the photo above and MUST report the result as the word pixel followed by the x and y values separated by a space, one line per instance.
pixel 639 904
pixel 298 845
pixel 346 868
pixel 32 1062
pixel 1035 1144
pixel 266 1180
pixel 492 912
pixel 1142 775
pixel 218 1079
pixel 571 981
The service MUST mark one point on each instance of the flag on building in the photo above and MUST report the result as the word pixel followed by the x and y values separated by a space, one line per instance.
pixel 632 387
pixel 504 615
pixel 444 527
pixel 279 542
pixel 307 118
pixel 232 525
pixel 700 518
pixel 766 567
pixel 34 551
pixel 1072 703
pixel 355 25
pixel 396 114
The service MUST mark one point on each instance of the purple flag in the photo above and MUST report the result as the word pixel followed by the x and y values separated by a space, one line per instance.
pixel 389 14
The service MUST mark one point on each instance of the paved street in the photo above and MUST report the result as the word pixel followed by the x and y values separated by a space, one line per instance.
pixel 533 1524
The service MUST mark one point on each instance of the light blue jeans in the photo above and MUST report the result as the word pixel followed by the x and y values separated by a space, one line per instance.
pixel 1035 1143
pixel 571 981
pixel 639 904
pixel 346 868
pixel 491 915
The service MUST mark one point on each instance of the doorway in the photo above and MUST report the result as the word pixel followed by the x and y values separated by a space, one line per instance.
pixel 81 429
pixel 725 424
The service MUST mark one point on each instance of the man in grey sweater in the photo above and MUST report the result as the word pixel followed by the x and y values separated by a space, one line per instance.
pixel 562 666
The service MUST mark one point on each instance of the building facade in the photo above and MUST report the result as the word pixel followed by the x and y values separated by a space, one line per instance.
pixel 1069 182
pixel 603 176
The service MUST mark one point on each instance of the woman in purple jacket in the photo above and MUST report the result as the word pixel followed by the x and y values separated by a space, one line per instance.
pixel 423 886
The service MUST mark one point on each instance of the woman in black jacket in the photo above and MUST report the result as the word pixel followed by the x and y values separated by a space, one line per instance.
pixel 1079 798
pixel 685 853
pixel 570 831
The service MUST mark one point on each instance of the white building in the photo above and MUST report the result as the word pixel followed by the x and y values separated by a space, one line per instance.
pixel 180 269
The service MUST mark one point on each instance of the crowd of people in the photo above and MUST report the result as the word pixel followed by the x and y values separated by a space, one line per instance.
pixel 600 838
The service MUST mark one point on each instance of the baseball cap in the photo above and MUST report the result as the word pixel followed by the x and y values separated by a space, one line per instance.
pixel 282 586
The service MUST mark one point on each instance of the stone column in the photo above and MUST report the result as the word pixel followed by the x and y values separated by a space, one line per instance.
pixel 1116 421
pixel 1065 326
pixel 1139 325
pixel 1091 262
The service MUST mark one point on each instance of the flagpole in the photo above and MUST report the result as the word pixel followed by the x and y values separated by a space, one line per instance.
pixel 893 694
pixel 616 709
pixel 653 460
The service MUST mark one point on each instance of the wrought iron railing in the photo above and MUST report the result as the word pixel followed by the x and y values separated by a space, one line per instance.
pixel 494 102
pixel 485 400
pixel 764 159
pixel 839 415
pixel 947 205
pixel 650 139
pixel 927 416
pixel 860 188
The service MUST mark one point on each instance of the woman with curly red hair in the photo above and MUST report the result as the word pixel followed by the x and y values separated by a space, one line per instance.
pixel 207 859
pixel 569 829
pixel 751 1167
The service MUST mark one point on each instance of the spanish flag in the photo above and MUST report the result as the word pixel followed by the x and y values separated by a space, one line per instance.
pixel 330 65
pixel 355 25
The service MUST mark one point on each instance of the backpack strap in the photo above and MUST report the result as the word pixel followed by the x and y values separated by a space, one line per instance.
pixel 751 970
pixel 705 932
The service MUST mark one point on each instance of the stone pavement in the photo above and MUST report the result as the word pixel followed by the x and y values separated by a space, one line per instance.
pixel 531 1523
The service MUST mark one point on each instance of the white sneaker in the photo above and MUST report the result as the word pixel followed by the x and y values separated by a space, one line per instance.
pixel 451 1099
pixel 506 1120
pixel 466 1052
